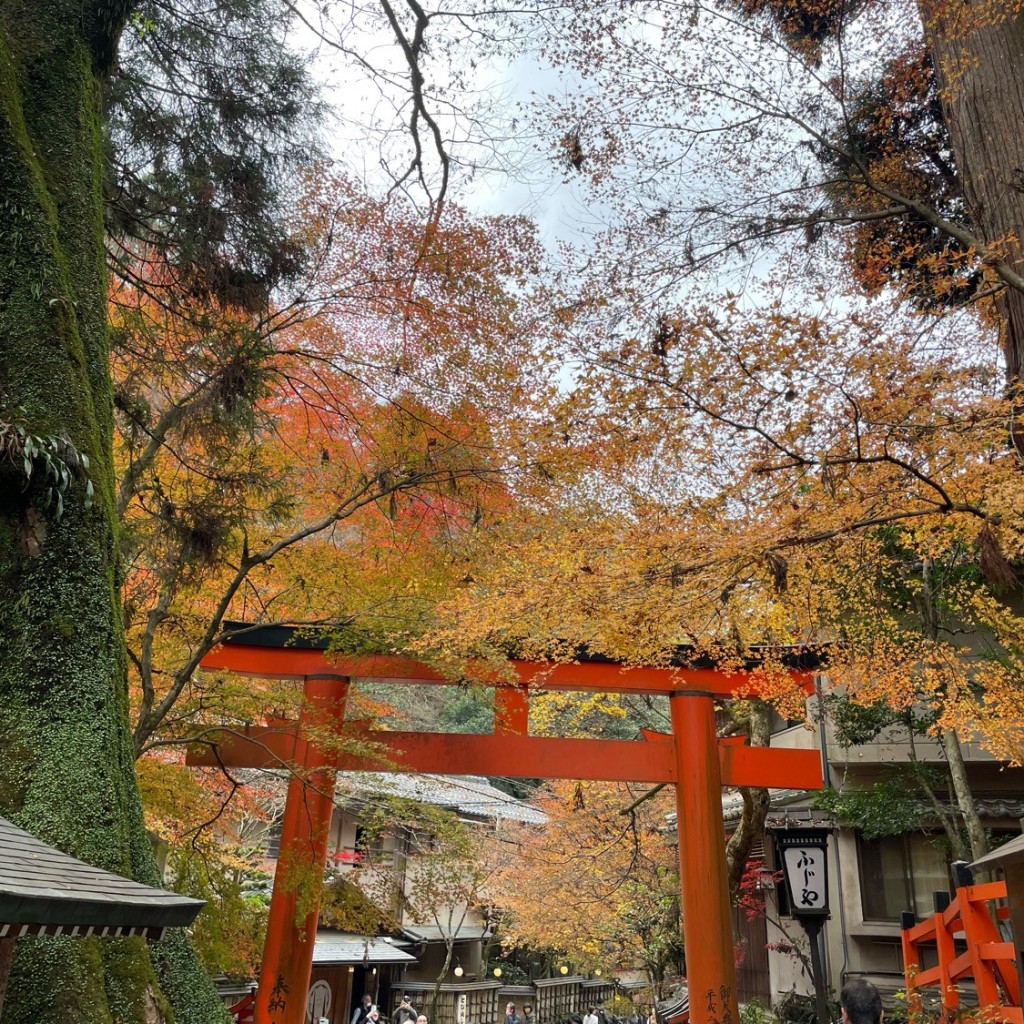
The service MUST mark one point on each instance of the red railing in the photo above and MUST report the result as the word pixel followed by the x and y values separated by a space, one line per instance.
pixel 988 960
pixel 245 1009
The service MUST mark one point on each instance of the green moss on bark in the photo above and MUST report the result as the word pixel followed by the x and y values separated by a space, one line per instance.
pixel 194 999
pixel 57 979
pixel 67 774
pixel 131 992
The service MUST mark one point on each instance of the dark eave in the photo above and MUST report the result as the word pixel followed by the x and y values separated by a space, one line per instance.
pixel 806 658
pixel 43 889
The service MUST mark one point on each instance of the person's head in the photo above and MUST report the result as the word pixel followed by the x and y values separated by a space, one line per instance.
pixel 367 1000
pixel 861 1003
pixel 421 1019
pixel 527 1010
pixel 510 1007
pixel 591 1010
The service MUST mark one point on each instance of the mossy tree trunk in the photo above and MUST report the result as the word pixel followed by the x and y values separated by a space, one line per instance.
pixel 66 770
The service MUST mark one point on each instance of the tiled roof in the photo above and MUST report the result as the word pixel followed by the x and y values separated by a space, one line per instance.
pixel 433 933
pixel 792 807
pixel 344 948
pixel 800 813
pixel 468 795
pixel 43 890
pixel 675 1009
pixel 1009 853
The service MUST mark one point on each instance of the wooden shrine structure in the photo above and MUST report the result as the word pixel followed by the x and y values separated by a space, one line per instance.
pixel 691 758
pixel 965 942
pixel 43 891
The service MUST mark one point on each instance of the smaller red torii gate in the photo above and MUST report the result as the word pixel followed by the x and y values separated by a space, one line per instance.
pixel 691 757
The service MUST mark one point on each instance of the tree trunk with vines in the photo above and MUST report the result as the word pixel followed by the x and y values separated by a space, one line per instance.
pixel 755 806
pixel 67 773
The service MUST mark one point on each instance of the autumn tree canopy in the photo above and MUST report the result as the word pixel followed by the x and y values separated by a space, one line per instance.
pixel 324 463
pixel 712 467
pixel 598 883
pixel 786 348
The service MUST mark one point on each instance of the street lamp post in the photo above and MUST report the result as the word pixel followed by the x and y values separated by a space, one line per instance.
pixel 803 854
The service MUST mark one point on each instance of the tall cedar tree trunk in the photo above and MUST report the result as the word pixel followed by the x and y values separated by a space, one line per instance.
pixel 66 770
pixel 977 48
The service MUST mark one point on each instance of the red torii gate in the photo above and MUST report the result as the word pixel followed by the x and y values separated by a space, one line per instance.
pixel 691 757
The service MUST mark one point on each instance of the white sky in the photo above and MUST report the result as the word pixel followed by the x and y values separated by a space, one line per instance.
pixel 518 176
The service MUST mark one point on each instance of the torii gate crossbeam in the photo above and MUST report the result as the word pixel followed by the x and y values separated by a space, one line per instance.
pixel 692 758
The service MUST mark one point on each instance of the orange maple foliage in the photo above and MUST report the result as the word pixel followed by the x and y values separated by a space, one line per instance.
pixel 596 883
pixel 328 459
pixel 764 477
pixel 208 836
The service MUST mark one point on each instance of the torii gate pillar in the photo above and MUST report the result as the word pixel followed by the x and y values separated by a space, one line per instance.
pixel 704 882
pixel 288 950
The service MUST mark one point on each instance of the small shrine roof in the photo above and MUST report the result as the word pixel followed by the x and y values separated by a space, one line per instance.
pixel 45 891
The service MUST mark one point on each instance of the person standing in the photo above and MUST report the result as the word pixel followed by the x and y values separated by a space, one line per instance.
pixel 591 1016
pixel 361 1014
pixel 861 1003
pixel 511 1017
pixel 404 1013
pixel 528 1015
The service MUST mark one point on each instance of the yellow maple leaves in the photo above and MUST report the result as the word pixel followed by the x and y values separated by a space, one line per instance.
pixel 596 884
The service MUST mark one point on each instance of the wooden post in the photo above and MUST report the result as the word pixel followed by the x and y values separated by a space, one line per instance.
pixel 946 953
pixel 511 711
pixel 1014 872
pixel 974 917
pixel 812 926
pixel 911 961
pixel 707 921
pixel 288 951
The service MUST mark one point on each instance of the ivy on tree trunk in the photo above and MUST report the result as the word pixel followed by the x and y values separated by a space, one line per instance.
pixel 66 773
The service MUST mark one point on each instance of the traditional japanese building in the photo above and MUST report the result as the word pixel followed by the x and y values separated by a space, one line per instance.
pixel 871 881
pixel 403 954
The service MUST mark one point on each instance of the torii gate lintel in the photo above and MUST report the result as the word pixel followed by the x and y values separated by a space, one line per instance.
pixel 686 758
pixel 651 760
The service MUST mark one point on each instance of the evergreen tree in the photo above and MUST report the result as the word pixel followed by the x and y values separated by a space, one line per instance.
pixel 209 114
